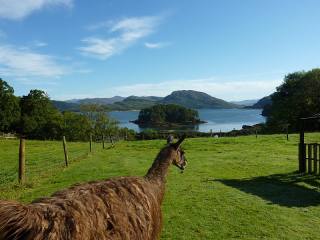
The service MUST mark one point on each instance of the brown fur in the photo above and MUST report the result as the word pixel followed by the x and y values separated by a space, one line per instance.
pixel 117 208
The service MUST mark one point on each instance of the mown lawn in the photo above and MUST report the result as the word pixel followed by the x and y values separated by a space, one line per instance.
pixel 233 188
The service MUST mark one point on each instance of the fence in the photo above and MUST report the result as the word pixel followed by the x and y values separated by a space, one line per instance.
pixel 308 152
pixel 30 160
pixel 311 158
pixel 8 136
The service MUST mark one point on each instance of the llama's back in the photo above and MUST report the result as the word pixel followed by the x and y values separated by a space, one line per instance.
pixel 122 208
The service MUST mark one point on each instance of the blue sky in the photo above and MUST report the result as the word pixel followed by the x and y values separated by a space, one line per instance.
pixel 230 49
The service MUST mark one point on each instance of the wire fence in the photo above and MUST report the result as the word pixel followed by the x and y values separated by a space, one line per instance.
pixel 42 158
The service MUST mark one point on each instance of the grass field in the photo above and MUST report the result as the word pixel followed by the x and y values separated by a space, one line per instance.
pixel 233 188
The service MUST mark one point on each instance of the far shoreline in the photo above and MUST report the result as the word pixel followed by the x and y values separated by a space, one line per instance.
pixel 167 124
pixel 216 119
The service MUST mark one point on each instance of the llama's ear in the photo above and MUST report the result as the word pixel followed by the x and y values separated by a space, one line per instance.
pixel 177 144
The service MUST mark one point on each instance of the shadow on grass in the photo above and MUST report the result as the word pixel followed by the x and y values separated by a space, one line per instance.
pixel 290 190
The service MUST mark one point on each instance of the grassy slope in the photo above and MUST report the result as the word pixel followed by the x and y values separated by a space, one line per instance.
pixel 233 188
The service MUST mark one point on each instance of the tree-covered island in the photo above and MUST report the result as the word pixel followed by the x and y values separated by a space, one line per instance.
pixel 167 115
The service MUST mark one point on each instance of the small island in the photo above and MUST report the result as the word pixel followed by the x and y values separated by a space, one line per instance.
pixel 163 115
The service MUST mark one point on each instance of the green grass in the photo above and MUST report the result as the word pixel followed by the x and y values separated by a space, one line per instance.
pixel 233 188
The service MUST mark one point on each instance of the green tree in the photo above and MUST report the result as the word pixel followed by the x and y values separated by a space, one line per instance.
pixel 105 126
pixel 77 127
pixel 90 110
pixel 39 118
pixel 9 108
pixel 297 97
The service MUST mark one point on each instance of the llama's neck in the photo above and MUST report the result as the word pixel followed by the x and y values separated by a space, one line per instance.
pixel 159 169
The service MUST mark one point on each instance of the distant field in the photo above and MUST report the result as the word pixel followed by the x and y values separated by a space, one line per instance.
pixel 233 188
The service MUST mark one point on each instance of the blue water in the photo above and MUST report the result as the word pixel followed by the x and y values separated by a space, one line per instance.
pixel 217 119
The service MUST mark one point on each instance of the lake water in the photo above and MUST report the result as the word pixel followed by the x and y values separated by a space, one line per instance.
pixel 217 119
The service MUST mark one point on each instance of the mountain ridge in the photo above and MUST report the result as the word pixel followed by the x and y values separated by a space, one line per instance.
pixel 196 100
pixel 247 102
pixel 186 98
pixel 262 103
pixel 103 101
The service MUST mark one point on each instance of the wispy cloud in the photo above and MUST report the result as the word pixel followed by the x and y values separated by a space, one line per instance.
pixel 156 45
pixel 126 32
pixel 101 48
pixel 230 90
pixel 18 9
pixel 22 62
pixel 99 25
pixel 39 44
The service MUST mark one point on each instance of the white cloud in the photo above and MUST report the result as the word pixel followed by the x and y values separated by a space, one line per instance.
pixel 230 90
pixel 18 9
pixel 156 45
pixel 128 31
pixel 21 62
pixel 39 44
pixel 132 29
pixel 101 48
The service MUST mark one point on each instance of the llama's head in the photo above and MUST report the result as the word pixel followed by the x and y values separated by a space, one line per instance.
pixel 179 159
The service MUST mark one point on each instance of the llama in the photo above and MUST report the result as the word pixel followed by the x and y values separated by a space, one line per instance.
pixel 116 208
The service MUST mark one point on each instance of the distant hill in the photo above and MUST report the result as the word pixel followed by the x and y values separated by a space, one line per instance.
pixel 124 104
pixel 185 98
pixel 150 98
pixel 102 101
pixel 134 103
pixel 196 100
pixel 66 106
pixel 262 102
pixel 246 102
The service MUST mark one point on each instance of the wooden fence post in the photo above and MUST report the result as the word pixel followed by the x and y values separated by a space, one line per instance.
pixel 256 133
pixel 309 158
pixel 302 149
pixel 65 150
pixel 315 158
pixel 103 141
pixel 319 156
pixel 90 142
pixel 287 134
pixel 111 140
pixel 22 160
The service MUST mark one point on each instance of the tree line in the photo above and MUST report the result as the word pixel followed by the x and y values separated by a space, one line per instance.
pixel 35 117
pixel 297 97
